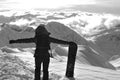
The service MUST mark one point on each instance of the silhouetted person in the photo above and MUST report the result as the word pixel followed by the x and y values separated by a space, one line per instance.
pixel 42 41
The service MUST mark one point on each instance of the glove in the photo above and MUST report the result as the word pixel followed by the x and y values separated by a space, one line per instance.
pixel 12 41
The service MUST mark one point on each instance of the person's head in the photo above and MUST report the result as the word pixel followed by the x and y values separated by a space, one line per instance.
pixel 41 30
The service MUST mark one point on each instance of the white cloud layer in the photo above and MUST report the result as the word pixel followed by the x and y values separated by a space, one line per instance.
pixel 21 22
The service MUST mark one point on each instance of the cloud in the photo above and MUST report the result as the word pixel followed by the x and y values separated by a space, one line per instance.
pixel 90 23
pixel 21 22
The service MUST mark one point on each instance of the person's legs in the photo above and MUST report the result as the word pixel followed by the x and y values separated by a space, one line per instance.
pixel 45 68
pixel 38 61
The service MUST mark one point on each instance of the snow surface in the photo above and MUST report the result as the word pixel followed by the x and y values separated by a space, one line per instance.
pixel 21 66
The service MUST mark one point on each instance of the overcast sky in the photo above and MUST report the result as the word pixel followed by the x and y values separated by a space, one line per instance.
pixel 38 3
pixel 28 4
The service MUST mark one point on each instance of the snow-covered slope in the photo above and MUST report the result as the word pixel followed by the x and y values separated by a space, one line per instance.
pixel 92 52
pixel 10 32
pixel 20 65
pixel 61 31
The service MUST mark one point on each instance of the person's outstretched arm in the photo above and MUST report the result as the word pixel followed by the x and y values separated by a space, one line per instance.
pixel 26 40
pixel 54 40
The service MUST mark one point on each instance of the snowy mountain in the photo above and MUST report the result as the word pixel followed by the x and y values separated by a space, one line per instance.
pixel 97 36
